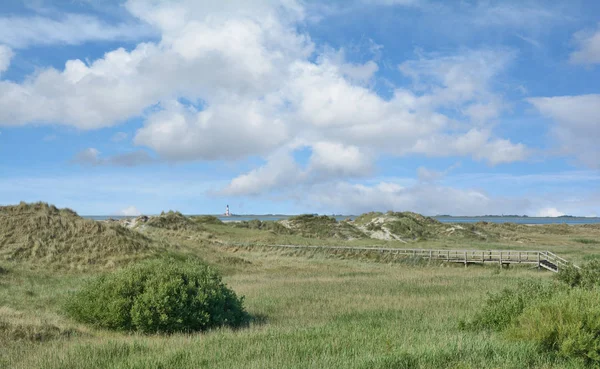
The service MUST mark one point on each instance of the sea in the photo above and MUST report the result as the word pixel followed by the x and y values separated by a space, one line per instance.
pixel 443 219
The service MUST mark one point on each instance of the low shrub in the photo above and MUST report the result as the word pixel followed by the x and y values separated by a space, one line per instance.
pixel 501 309
pixel 561 318
pixel 568 323
pixel 588 276
pixel 569 275
pixel 158 297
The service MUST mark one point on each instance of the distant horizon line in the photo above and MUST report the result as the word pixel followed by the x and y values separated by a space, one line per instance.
pixel 347 215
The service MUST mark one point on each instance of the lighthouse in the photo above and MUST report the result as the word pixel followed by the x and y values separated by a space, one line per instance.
pixel 227 214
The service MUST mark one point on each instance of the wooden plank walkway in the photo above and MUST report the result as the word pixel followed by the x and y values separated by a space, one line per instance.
pixel 542 259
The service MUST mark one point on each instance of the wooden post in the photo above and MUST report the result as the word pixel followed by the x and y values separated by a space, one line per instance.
pixel 465 259
pixel 500 259
pixel 430 251
pixel 539 261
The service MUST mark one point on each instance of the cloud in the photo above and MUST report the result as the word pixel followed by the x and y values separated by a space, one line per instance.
pixel 123 84
pixel 234 79
pixel 88 156
pixel 359 73
pixel 71 29
pixel 87 97
pixel 433 199
pixel 355 115
pixel 435 192
pixel 549 212
pixel 588 44
pixel 130 211
pixel 328 161
pixel 530 41
pixel 279 172
pixel 91 157
pixel 428 175
pixel 331 159
pixel 519 14
pixel 227 130
pixel 459 79
pixel 6 54
pixel 577 125
pixel 422 198
pixel 130 159
pixel 478 143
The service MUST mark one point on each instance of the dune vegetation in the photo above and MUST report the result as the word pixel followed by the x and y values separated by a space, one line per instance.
pixel 42 234
pixel 297 308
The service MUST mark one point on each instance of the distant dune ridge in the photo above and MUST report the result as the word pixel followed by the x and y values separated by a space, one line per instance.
pixel 42 233
pixel 395 226
pixel 407 227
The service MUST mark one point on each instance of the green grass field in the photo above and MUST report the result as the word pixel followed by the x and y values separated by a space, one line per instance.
pixel 310 309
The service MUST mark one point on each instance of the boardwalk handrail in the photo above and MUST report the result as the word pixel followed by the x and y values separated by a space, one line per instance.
pixel 552 257
pixel 545 259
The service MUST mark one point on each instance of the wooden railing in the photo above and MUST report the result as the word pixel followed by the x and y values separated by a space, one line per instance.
pixel 541 259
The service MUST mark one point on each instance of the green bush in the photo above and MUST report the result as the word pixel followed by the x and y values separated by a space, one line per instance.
pixel 569 275
pixel 568 323
pixel 501 309
pixel 158 296
pixel 588 276
pixel 560 319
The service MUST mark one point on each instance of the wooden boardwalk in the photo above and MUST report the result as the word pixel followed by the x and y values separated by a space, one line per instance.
pixel 541 259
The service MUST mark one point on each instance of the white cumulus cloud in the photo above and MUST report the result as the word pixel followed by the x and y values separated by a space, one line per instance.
pixel 549 212
pixel 227 130
pixel 588 47
pixel 279 172
pixel 233 79
pixel 336 160
pixel 130 211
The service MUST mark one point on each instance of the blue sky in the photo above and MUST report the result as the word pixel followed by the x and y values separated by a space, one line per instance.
pixel 439 107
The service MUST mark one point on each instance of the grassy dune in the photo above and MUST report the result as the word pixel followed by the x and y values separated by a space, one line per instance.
pixel 42 234
pixel 311 309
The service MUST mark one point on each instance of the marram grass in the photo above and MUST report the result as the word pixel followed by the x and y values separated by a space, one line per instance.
pixel 42 234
